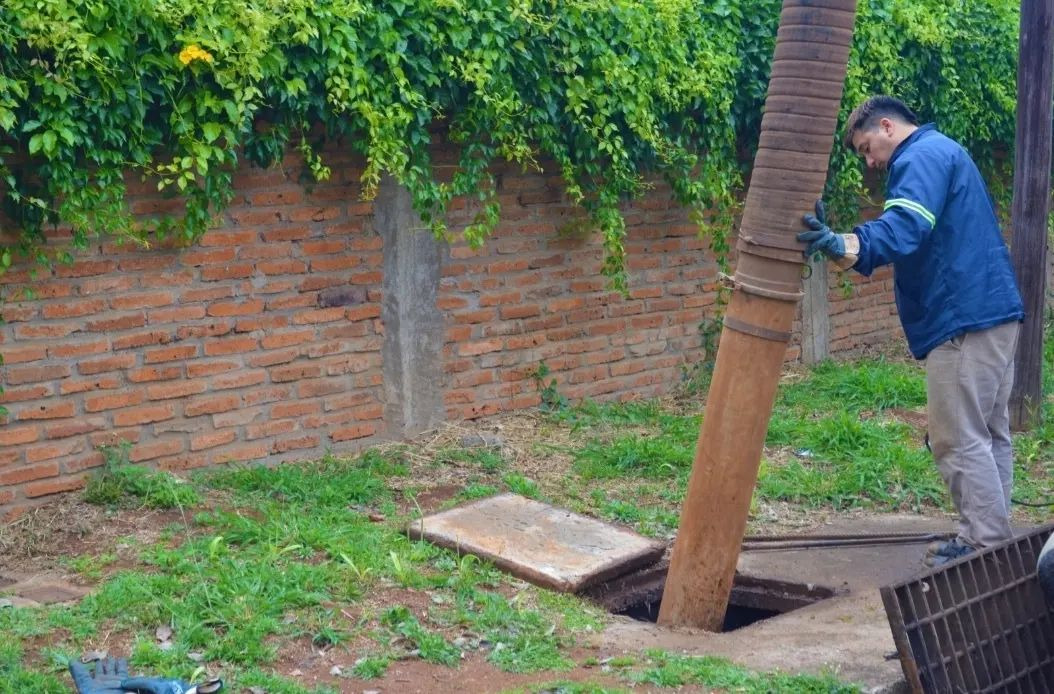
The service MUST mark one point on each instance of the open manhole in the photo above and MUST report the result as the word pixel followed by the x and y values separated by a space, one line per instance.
pixel 753 599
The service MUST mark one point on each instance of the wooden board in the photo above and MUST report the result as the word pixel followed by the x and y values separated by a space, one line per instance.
pixel 547 546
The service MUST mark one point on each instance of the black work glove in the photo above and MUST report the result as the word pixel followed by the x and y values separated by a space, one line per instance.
pixel 155 685
pixel 841 248
pixel 162 685
pixel 106 678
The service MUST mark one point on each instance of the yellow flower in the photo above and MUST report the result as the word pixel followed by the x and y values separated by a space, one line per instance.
pixel 194 52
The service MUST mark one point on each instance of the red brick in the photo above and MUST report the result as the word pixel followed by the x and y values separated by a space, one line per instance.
pixel 235 308
pixel 374 411
pixel 85 268
pixel 150 337
pixel 210 257
pixel 212 439
pixel 295 443
pixel 114 363
pixel 196 294
pixel 266 324
pixel 228 238
pixel 67 349
pixel 84 463
pixel 319 387
pixel 50 451
pixel 62 484
pixel 356 313
pixel 288 302
pixel 175 389
pixel 286 339
pixel 257 217
pixel 9 457
pixel 243 453
pixel 314 214
pixel 10 436
pixel 210 368
pixel 522 311
pixel 176 314
pixel 375 277
pixel 155 373
pixel 294 409
pixel 240 379
pixel 143 415
pixel 18 375
pixel 125 322
pixel 232 345
pixel 213 329
pixel 144 300
pixel 173 353
pixel 269 428
pixel 285 233
pixel 335 263
pixel 229 271
pixel 295 372
pixel 56 410
pixel 283 356
pixel 324 247
pixel 481 347
pixel 29 473
pixel 154 449
pixel 108 382
pixel 500 299
pixel 481 316
pixel 350 363
pixel 113 401
pixel 81 425
pixel 22 354
pixel 286 266
pixel 356 431
pixel 322 315
pixel 347 400
pixel 211 405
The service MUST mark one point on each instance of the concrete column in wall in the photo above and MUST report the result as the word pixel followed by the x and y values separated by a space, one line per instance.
pixel 815 321
pixel 413 325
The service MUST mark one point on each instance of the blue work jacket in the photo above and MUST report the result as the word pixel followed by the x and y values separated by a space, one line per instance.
pixel 951 268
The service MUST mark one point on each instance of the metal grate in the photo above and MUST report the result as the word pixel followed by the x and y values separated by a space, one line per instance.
pixel 979 624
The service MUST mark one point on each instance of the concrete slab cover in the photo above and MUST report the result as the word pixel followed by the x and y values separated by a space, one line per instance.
pixel 549 547
pixel 849 568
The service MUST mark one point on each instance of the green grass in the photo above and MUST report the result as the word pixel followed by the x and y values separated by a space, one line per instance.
pixel 119 483
pixel 674 671
pixel 486 459
pixel 565 687
pixel 848 453
pixel 275 561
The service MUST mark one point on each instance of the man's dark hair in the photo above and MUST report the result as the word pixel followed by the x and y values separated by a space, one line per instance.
pixel 866 115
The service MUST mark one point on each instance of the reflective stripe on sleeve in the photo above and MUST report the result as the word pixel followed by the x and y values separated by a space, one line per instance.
pixel 914 207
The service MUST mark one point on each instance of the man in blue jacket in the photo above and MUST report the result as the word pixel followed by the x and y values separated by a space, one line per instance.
pixel 957 299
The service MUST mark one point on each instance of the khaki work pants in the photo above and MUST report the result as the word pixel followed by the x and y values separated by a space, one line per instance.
pixel 968 380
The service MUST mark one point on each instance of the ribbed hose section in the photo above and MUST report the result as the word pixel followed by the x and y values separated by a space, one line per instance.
pixel 797 132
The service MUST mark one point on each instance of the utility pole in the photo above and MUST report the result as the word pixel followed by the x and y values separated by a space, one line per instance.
pixel 797 132
pixel 1028 215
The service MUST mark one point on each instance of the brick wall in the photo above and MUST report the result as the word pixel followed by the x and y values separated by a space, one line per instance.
pixel 263 342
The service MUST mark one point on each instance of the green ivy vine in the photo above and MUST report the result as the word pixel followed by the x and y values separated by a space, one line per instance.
pixel 93 92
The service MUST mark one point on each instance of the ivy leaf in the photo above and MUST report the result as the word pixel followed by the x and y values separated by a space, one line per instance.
pixel 211 131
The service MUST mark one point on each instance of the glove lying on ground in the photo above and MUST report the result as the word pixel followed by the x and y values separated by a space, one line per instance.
pixel 111 677
pixel 843 249
pixel 106 679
